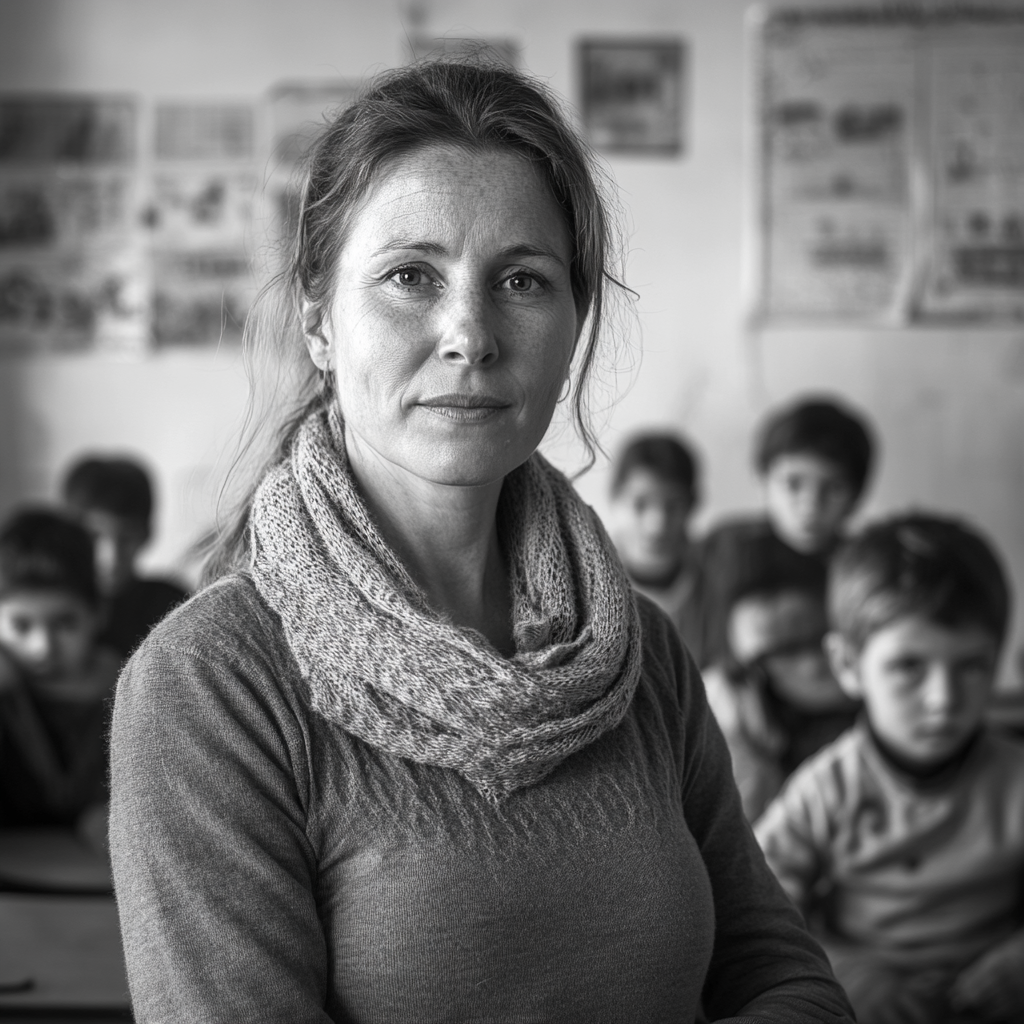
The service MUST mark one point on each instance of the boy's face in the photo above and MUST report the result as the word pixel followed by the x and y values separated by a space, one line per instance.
pixel 925 686
pixel 118 541
pixel 47 633
pixel 649 521
pixel 807 498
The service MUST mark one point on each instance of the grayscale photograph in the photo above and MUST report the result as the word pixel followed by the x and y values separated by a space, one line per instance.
pixel 512 513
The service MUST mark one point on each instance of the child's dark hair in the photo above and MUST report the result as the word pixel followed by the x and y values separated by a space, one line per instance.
pixel 921 565
pixel 43 550
pixel 667 457
pixel 818 427
pixel 120 487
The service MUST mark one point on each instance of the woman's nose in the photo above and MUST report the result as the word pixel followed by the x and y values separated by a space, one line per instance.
pixel 466 333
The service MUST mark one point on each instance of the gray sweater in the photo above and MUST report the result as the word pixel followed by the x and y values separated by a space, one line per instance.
pixel 271 867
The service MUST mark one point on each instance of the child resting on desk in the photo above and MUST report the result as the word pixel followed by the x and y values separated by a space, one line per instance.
pixel 903 840
pixel 55 682
pixel 774 695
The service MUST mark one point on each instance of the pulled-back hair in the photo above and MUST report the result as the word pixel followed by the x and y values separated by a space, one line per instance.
pixel 920 565
pixel 120 487
pixel 468 104
pixel 42 550
pixel 818 427
pixel 664 455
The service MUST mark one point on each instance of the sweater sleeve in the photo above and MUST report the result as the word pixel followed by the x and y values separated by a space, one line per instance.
pixel 765 968
pixel 214 873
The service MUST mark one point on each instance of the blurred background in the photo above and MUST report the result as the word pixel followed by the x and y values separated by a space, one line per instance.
pixel 816 200
pixel 187 106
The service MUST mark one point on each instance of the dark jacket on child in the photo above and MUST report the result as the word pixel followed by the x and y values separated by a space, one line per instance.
pixel 53 762
pixel 738 556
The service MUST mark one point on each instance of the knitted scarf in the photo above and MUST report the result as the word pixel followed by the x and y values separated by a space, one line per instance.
pixel 389 669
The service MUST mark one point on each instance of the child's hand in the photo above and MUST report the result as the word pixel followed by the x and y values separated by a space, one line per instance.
pixel 993 985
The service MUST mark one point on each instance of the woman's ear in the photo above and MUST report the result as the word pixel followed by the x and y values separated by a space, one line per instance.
pixel 311 318
pixel 844 658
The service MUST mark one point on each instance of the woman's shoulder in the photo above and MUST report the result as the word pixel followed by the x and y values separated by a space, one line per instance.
pixel 225 625
pixel 217 667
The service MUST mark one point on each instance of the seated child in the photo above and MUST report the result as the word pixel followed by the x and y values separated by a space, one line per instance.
pixel 813 459
pixel 774 695
pixel 55 682
pixel 113 500
pixel 903 841
pixel 654 492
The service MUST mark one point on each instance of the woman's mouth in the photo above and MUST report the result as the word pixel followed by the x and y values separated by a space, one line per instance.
pixel 464 408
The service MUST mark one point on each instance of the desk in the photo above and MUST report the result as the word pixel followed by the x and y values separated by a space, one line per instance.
pixel 70 949
pixel 50 860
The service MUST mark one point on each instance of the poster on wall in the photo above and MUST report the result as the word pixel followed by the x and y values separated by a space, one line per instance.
pixel 891 164
pixel 72 261
pixel 631 95
pixel 202 199
pixel 975 268
pixel 837 113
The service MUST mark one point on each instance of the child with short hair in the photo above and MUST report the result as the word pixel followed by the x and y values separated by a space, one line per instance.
pixel 113 500
pixel 55 681
pixel 813 458
pixel 903 841
pixel 654 492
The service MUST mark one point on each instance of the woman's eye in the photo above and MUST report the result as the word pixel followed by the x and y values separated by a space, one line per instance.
pixel 409 277
pixel 521 282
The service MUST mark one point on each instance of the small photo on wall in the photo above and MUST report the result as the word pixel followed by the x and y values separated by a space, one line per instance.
pixel 631 94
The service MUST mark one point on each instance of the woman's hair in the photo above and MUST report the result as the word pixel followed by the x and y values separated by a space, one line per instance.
pixel 473 105
pixel 818 427
pixel 920 565
pixel 42 550
pixel 664 455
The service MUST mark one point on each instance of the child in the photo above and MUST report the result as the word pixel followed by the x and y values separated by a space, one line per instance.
pixel 113 500
pixel 774 695
pixel 903 841
pixel 813 459
pixel 54 680
pixel 654 492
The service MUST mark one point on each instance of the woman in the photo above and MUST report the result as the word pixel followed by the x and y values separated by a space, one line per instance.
pixel 423 758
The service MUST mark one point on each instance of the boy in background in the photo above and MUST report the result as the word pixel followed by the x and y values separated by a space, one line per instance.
pixel 813 459
pixel 55 681
pixel 654 492
pixel 903 841
pixel 113 500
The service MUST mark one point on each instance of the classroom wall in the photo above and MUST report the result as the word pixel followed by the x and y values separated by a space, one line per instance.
pixel 948 405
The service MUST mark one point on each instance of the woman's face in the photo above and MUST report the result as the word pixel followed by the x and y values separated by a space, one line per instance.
pixel 452 320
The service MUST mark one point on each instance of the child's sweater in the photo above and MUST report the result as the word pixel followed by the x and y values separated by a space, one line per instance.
pixel 53 751
pixel 739 555
pixel 925 874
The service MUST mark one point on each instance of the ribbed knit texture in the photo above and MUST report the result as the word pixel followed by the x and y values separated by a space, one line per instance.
pixel 381 663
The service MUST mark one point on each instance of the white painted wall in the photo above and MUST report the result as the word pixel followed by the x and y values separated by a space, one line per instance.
pixel 948 405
